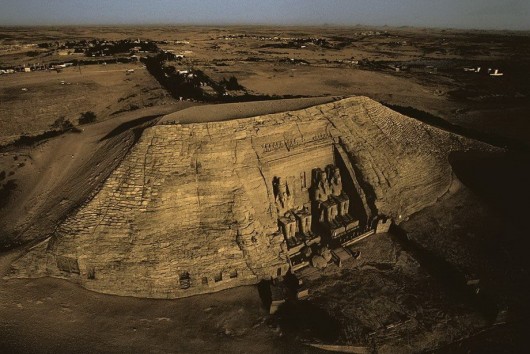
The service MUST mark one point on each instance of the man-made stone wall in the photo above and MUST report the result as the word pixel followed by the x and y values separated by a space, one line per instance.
pixel 191 208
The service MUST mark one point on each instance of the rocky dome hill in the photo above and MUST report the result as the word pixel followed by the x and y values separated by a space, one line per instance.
pixel 194 202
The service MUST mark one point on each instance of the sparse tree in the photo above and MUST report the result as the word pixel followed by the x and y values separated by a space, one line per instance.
pixel 87 117
pixel 231 84
pixel 62 123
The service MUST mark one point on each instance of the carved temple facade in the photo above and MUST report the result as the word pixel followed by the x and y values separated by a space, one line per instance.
pixel 312 205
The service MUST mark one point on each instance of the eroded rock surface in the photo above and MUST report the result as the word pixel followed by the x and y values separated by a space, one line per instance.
pixel 191 208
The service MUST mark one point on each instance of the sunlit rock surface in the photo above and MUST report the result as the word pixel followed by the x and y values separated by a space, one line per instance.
pixel 191 209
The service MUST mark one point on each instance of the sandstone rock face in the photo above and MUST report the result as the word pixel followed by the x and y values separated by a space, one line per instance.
pixel 191 208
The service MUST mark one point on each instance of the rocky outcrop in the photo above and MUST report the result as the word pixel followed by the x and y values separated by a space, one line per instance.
pixel 191 207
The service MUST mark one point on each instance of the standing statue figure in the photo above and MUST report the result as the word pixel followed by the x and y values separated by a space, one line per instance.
pixel 336 183
pixel 283 196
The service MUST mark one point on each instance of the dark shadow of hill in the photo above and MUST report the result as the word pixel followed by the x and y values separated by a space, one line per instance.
pixel 129 125
pixel 501 179
pixel 306 320
pixel 438 122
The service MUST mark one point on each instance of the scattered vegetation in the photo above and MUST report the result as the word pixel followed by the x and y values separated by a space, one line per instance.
pixel 60 126
pixel 109 48
pixel 28 140
pixel 179 85
pixel 196 85
pixel 87 117
pixel 62 123
pixel 231 84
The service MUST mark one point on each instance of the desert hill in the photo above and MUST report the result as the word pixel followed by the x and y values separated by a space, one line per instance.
pixel 194 201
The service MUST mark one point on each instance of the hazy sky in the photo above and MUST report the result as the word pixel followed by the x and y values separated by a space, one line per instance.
pixel 491 14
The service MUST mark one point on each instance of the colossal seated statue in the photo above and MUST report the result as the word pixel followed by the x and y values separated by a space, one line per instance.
pixel 331 203
pixel 343 201
pixel 344 204
pixel 336 182
pixel 330 210
pixel 304 221
pixel 321 194
pixel 322 190
pixel 289 229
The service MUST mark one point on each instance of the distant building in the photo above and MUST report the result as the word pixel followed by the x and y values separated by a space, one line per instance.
pixel 496 73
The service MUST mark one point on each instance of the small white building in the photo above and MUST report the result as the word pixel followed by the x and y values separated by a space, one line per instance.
pixel 496 73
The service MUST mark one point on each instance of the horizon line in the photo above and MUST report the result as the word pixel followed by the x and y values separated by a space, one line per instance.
pixel 235 24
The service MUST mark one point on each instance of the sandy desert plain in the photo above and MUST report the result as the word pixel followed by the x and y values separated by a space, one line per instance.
pixel 451 276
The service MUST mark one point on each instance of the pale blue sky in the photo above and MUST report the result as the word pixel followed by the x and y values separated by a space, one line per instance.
pixel 487 14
